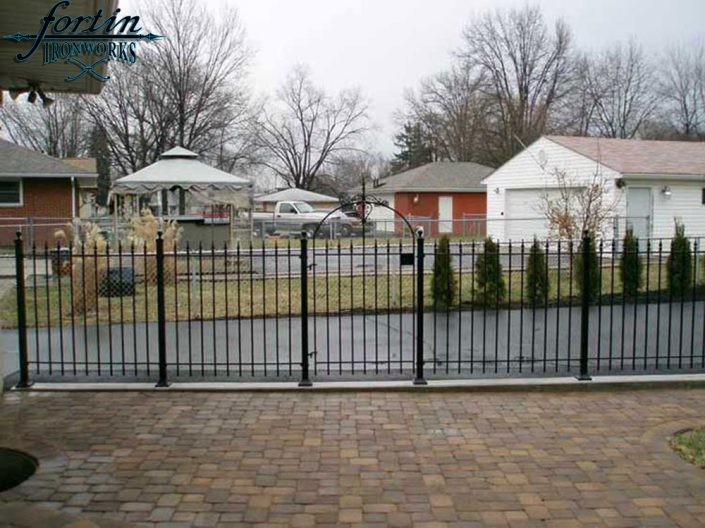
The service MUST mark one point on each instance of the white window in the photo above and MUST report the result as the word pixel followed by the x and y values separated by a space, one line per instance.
pixel 10 193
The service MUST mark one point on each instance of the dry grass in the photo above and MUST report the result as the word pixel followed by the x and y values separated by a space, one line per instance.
pixel 87 272
pixel 246 295
pixel 142 233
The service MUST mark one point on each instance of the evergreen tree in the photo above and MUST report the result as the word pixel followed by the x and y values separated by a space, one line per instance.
pixel 679 265
pixel 98 149
pixel 631 267
pixel 595 278
pixel 537 280
pixel 414 150
pixel 488 274
pixel 443 285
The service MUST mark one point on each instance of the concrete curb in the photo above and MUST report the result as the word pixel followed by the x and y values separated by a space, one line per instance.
pixel 475 385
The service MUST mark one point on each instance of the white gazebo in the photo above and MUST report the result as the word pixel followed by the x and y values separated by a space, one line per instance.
pixel 181 169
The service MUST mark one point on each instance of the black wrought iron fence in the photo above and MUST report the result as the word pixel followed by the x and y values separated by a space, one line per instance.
pixel 378 309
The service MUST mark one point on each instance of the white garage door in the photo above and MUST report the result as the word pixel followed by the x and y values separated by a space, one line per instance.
pixel 523 218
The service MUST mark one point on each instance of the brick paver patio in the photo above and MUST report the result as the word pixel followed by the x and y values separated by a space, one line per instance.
pixel 374 459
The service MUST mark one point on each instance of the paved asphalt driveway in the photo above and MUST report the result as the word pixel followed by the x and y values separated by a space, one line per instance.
pixel 382 346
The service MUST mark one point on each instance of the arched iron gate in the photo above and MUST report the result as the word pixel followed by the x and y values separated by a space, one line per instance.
pixel 364 302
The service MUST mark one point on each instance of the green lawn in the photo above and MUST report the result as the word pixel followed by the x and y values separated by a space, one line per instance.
pixel 254 296
pixel 690 445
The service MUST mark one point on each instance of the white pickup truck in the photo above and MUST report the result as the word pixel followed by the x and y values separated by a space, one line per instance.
pixel 289 217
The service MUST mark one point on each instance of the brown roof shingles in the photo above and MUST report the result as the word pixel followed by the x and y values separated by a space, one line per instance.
pixel 439 176
pixel 18 161
pixel 635 156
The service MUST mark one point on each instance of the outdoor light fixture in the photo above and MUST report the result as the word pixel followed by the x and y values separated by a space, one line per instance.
pixel 416 198
pixel 666 191
pixel 496 190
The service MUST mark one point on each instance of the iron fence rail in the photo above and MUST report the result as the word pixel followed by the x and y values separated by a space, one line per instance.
pixel 316 309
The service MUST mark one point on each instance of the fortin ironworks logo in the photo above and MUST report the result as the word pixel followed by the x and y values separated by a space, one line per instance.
pixel 85 41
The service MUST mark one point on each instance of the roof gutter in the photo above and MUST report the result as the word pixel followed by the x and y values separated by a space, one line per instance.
pixel 661 176
pixel 444 189
pixel 389 190
pixel 45 175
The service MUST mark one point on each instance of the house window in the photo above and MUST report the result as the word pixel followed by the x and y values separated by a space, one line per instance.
pixel 10 192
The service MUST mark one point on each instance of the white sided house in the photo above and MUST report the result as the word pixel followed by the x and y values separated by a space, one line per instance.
pixel 653 184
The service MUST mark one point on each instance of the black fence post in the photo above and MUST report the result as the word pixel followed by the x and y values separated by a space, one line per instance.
pixel 161 313
pixel 21 313
pixel 585 294
pixel 305 380
pixel 419 380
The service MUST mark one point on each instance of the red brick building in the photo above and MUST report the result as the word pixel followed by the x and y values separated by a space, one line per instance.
pixel 38 193
pixel 443 197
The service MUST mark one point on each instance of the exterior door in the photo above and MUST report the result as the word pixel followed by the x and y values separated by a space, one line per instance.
pixel 445 214
pixel 639 210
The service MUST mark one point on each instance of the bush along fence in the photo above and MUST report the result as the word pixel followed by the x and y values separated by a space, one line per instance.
pixel 306 310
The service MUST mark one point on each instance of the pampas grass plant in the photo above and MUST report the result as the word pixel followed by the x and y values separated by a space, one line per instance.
pixel 143 231
pixel 88 268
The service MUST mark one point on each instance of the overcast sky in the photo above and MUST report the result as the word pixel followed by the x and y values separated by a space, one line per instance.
pixel 385 46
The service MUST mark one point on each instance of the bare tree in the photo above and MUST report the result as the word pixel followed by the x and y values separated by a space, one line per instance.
pixel 188 89
pixel 59 130
pixel 682 85
pixel 621 88
pixel 131 116
pixel 574 113
pixel 579 206
pixel 348 171
pixel 454 110
pixel 303 129
pixel 526 65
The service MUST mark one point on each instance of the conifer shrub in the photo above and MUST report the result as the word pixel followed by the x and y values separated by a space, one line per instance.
pixel 631 266
pixel 595 286
pixel 679 266
pixel 489 278
pixel 537 280
pixel 443 285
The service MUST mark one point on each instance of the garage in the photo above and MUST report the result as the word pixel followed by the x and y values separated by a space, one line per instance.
pixel 523 217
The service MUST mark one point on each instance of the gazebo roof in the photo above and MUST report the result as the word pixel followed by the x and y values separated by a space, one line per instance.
pixel 179 152
pixel 179 167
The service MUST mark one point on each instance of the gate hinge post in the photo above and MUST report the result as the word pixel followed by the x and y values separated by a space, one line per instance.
pixel 305 379
pixel 24 381
pixel 586 299
pixel 419 379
